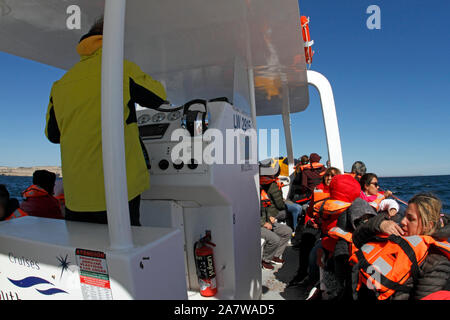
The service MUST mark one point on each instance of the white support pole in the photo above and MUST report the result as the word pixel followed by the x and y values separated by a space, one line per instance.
pixel 285 113
pixel 251 89
pixel 329 117
pixel 113 145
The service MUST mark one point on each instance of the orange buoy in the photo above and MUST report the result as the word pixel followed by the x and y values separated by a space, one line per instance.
pixel 304 21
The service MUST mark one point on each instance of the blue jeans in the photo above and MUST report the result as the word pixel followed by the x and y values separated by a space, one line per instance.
pixel 295 210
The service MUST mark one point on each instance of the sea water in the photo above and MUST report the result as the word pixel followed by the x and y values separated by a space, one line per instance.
pixel 402 187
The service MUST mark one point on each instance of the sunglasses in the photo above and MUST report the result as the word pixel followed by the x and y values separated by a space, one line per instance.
pixel 375 184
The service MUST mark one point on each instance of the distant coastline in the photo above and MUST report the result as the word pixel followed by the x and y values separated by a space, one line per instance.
pixel 28 171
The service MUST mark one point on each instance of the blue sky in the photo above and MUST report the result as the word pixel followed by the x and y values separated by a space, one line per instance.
pixel 391 86
pixel 391 89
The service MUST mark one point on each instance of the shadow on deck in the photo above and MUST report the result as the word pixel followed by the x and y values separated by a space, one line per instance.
pixel 275 281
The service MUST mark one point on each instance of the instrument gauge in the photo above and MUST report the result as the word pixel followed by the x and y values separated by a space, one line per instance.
pixel 143 119
pixel 174 115
pixel 158 117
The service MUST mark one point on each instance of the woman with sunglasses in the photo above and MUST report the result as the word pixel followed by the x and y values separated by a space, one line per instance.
pixel 378 200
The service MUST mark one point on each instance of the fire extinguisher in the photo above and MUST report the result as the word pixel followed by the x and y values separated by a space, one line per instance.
pixel 204 263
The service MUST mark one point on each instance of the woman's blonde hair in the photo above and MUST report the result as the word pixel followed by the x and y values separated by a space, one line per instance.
pixel 429 207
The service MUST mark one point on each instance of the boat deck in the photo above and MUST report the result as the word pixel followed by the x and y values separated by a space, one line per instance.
pixel 275 281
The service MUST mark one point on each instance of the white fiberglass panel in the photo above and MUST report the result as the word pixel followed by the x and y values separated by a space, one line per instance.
pixel 190 45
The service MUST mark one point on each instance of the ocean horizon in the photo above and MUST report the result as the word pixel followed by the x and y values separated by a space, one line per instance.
pixel 403 187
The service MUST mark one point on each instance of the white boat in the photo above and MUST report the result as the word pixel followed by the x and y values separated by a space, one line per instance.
pixel 250 52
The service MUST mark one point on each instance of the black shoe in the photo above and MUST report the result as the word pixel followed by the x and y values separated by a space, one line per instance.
pixel 295 244
pixel 297 281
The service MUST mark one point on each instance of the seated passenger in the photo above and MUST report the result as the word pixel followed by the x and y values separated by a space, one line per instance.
pixel 293 209
pixel 343 191
pixel 296 180
pixel 9 207
pixel 273 208
pixel 322 190
pixel 38 198
pixel 370 193
pixel 306 178
pixel 304 160
pixel 308 233
pixel 424 231
pixel 359 212
pixel 358 170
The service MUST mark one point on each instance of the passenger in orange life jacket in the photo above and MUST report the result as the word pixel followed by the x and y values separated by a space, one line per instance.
pixel 304 160
pixel 307 177
pixel 421 237
pixel 358 213
pixel 308 233
pixel 273 208
pixel 370 193
pixel 343 189
pixel 9 207
pixel 38 198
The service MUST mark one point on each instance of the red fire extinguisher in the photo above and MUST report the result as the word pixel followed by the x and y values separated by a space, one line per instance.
pixel 204 263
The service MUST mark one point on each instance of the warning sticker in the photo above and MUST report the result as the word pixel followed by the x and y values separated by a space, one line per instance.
pixel 94 276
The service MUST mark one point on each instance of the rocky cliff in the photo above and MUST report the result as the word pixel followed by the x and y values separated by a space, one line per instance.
pixel 28 171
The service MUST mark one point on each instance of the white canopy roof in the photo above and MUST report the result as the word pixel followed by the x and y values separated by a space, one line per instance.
pixel 192 46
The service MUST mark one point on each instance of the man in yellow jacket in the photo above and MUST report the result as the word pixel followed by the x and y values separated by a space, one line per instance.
pixel 74 121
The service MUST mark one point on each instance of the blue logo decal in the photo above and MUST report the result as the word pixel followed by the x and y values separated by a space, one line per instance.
pixel 33 281
pixel 28 282
pixel 51 291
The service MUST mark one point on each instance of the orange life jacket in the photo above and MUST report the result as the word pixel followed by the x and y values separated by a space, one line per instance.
pixel 34 191
pixel 18 213
pixel 268 180
pixel 386 264
pixel 337 233
pixel 317 196
pixel 315 165
pixel 328 209
pixel 325 214
pixel 265 200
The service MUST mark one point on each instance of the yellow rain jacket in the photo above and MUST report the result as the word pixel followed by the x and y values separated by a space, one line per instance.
pixel 74 121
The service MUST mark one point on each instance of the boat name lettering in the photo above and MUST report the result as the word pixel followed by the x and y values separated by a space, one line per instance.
pixel 22 261
pixel 240 122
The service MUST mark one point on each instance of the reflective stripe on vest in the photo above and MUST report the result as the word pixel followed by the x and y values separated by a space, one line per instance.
pixel 338 233
pixel 331 208
pixel 18 213
pixel 385 265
